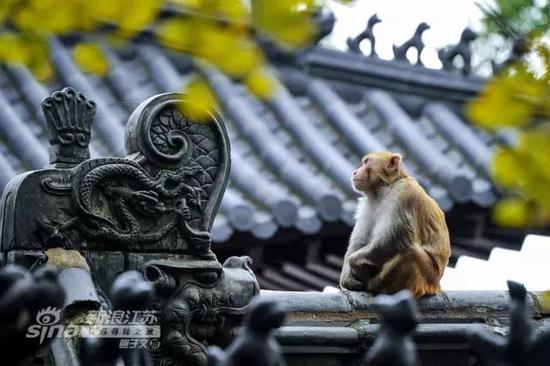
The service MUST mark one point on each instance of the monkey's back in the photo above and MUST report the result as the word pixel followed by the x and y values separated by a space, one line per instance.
pixel 432 233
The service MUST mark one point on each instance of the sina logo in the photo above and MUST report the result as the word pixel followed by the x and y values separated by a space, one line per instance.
pixel 46 324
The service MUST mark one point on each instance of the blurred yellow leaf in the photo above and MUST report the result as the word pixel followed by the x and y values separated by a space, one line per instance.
pixel 13 50
pixel 47 16
pixel 134 17
pixel 511 212
pixel 546 300
pixel 288 22
pixel 177 34
pixel 5 7
pixel 297 35
pixel 39 64
pixel 244 58
pixel 199 101
pixel 260 83
pixel 42 70
pixel 508 100
pixel 90 58
pixel 507 168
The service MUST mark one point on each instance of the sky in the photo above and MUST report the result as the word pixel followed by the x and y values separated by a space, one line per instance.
pixel 447 19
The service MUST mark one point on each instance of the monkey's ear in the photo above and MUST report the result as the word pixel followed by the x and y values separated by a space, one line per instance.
pixel 393 162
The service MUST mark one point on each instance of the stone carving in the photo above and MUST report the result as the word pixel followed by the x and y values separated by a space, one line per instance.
pixel 152 211
pixel 256 345
pixel 394 345
pixel 198 302
pixel 69 115
pixel 355 42
pixel 521 347
pixel 400 52
pixel 163 196
pixel 462 49
pixel 142 209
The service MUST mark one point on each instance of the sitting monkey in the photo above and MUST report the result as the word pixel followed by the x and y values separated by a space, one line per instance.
pixel 400 239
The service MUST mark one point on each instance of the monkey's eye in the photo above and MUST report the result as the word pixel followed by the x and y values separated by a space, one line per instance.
pixel 366 161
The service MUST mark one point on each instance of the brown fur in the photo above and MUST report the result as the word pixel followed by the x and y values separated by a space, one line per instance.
pixel 400 240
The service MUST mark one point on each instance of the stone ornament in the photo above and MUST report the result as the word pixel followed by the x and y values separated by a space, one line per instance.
pixel 463 50
pixel 416 42
pixel 199 303
pixel 256 345
pixel 394 345
pixel 150 211
pixel 522 346
pixel 69 116
pixel 368 34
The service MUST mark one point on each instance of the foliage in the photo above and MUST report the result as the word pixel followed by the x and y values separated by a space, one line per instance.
pixel 513 16
pixel 518 98
pixel 222 33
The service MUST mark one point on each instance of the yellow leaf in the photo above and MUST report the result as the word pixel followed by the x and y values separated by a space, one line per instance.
pixel 507 168
pixel 13 49
pixel 297 35
pixel 508 100
pixel 134 18
pixel 39 64
pixel 101 11
pixel 47 16
pixel 199 101
pixel 287 22
pixel 214 43
pixel 511 212
pixel 242 59
pixel 177 34
pixel 5 7
pixel 90 58
pixel 546 300
pixel 42 70
pixel 260 83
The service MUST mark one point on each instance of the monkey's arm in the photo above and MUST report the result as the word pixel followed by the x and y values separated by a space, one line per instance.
pixel 387 241
pixel 395 229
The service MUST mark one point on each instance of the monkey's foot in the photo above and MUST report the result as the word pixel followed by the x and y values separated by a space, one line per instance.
pixel 352 284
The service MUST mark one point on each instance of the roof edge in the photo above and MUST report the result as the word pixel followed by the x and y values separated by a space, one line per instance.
pixel 396 76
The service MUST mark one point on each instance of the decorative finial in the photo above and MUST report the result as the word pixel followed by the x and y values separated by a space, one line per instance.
pixel 353 43
pixel 69 115
pixel 394 345
pixel 523 346
pixel 462 49
pixel 400 52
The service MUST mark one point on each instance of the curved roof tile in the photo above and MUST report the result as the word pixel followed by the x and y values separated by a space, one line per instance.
pixel 291 157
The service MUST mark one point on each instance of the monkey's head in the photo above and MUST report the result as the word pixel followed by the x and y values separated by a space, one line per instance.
pixel 377 169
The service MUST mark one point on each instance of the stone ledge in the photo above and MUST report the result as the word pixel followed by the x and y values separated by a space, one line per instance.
pixel 471 305
pixel 336 328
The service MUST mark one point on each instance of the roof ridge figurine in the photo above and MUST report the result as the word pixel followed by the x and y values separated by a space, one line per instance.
pixel 400 52
pixel 256 345
pixel 394 345
pixel 355 42
pixel 521 347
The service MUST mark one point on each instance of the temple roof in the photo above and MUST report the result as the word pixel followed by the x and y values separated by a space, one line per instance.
pixel 292 156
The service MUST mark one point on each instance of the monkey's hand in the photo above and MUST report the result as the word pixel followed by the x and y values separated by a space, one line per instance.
pixel 358 259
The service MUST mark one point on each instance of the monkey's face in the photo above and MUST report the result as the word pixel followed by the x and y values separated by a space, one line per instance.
pixel 375 170
pixel 363 177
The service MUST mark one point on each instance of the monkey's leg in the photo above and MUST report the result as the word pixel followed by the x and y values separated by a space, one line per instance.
pixel 410 270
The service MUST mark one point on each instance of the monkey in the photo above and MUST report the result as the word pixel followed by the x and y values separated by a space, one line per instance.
pixel 400 239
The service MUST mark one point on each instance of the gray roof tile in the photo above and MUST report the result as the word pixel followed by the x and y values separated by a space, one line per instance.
pixel 292 156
